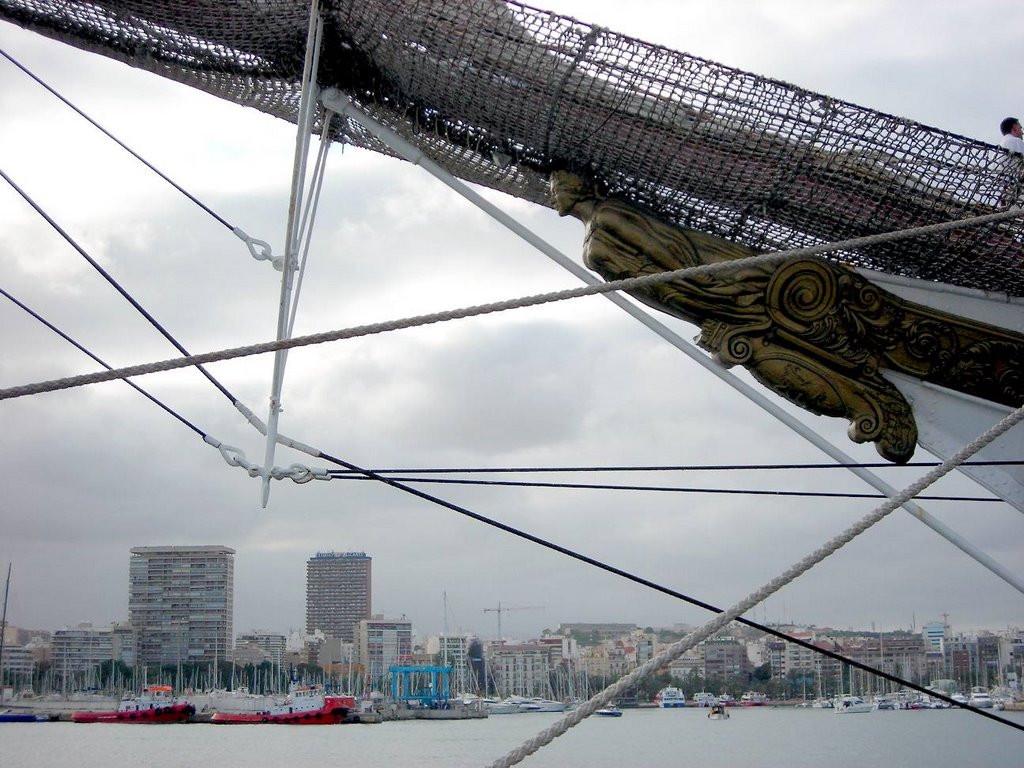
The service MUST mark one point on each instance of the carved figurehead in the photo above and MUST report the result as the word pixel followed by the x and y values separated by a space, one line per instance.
pixel 813 331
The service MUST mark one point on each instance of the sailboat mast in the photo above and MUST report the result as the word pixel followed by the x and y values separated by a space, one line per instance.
pixel 3 628
pixel 444 643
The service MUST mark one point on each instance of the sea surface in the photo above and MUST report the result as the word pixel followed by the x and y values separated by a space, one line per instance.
pixel 762 737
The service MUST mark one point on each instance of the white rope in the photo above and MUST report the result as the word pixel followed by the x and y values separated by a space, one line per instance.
pixel 71 382
pixel 624 684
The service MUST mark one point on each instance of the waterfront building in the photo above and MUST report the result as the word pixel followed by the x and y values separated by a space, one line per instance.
pixel 596 633
pixel 246 653
pixel 82 647
pixel 380 644
pixel 797 658
pixel 725 657
pixel 453 651
pixel 596 662
pixel 772 651
pixel 337 658
pixel 936 633
pixel 181 603
pixel 644 649
pixel 523 669
pixel 689 664
pixel 338 593
pixel 272 642
pixel 18 663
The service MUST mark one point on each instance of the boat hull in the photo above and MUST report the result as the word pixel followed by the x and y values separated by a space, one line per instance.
pixel 172 713
pixel 333 712
pixel 22 717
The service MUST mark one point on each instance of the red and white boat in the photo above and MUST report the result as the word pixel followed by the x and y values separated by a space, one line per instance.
pixel 156 704
pixel 305 705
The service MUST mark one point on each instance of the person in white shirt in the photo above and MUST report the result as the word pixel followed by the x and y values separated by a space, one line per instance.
pixel 1012 140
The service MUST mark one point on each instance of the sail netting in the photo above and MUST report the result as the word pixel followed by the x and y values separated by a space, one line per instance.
pixel 500 94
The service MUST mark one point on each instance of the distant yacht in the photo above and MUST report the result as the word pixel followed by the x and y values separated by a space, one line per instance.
pixel 670 698
pixel 980 698
pixel 753 699
pixel 852 705
pixel 704 699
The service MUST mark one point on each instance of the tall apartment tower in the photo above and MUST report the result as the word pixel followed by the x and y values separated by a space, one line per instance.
pixel 337 593
pixel 181 603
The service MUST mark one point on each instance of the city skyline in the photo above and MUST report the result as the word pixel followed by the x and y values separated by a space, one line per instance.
pixel 361 560
pixel 90 472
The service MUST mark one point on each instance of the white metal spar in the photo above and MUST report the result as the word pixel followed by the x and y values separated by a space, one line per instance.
pixel 306 106
pixel 337 102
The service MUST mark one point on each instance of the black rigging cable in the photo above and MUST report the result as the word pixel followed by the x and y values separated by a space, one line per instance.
pixel 441 502
pixel 683 467
pixel 654 586
pixel 655 488
pixel 370 474
pixel 117 286
pixel 117 141
pixel 82 349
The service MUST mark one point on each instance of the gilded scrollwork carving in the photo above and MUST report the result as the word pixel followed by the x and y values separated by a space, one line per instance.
pixel 811 330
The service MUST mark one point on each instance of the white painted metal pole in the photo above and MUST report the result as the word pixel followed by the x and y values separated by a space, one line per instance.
pixel 307 104
pixel 336 101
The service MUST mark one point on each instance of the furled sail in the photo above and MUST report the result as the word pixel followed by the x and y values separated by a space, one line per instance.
pixel 500 94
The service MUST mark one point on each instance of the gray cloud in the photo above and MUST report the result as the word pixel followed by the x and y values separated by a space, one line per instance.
pixel 87 474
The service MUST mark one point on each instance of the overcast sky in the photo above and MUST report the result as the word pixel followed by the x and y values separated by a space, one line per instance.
pixel 89 473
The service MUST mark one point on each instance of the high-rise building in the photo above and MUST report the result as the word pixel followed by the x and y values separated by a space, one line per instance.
pixel 82 647
pixel 181 603
pixel 337 593
pixel 380 644
pixel 936 634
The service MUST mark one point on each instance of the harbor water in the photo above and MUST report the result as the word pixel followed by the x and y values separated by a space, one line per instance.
pixel 751 737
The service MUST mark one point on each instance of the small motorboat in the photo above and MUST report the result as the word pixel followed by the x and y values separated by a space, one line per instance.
pixel 10 716
pixel 718 712
pixel 610 711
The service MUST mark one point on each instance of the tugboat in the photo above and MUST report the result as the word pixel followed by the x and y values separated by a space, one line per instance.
pixel 304 705
pixel 156 704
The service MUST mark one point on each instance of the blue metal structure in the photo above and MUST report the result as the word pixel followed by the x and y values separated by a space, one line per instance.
pixel 428 685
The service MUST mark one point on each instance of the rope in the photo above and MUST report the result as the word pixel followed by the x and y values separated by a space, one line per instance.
pixel 301 474
pixel 608 568
pixel 689 641
pixel 501 306
pixel 85 351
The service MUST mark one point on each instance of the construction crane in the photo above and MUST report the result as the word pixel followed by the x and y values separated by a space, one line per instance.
pixel 499 610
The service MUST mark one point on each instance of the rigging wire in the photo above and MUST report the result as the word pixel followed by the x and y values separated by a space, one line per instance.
pixel 370 474
pixel 110 279
pixel 575 555
pixel 418 321
pixel 389 481
pixel 677 467
pixel 667 489
pixel 156 401
pixel 258 248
